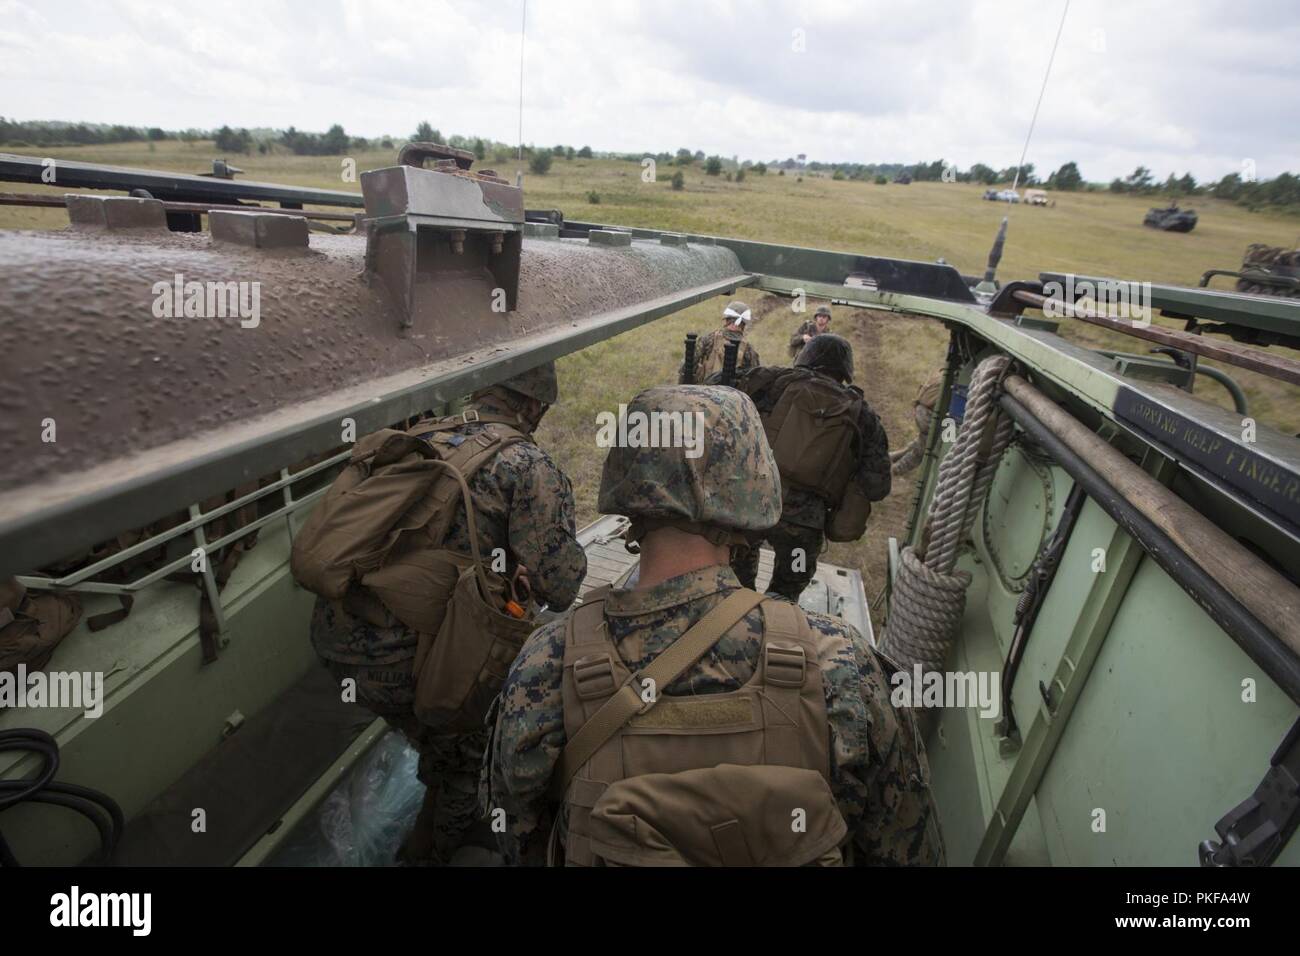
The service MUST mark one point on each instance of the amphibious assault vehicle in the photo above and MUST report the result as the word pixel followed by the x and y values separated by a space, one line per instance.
pixel 1120 553
pixel 1171 219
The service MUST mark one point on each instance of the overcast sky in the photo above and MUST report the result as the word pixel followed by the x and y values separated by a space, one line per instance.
pixel 1196 86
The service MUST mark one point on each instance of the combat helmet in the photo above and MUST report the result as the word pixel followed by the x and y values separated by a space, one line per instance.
pixel 828 353
pixel 538 383
pixel 721 483
pixel 737 311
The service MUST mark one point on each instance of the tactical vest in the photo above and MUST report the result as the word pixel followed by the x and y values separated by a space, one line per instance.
pixel 734 779
pixel 812 428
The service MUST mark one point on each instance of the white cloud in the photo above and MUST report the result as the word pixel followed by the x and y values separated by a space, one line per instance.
pixel 1177 87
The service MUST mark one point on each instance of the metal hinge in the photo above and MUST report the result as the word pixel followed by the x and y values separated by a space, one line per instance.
pixel 1254 832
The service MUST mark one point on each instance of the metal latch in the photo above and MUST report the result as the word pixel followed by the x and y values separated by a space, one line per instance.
pixel 1255 831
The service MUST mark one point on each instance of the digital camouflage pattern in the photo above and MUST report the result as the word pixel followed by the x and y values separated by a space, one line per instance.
pixel 908 458
pixel 524 504
pixel 806 327
pixel 539 383
pixel 733 484
pixel 716 341
pixel 795 550
pixel 879 773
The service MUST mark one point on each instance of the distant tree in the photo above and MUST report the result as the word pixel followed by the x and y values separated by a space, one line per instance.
pixel 558 150
pixel 569 153
pixel 980 173
pixel 1229 187
pixel 838 175
pixel 584 153
pixel 882 180
pixel 684 157
pixel 679 181
pixel 1067 178
pixel 760 168
pixel 699 155
pixel 386 143
pixel 480 151
pixel 335 142
pixel 425 133
pixel 1140 180
pixel 1186 184
pixel 229 141
pixel 780 172
pixel 156 134
pixel 713 166
pixel 540 163
pixel 740 174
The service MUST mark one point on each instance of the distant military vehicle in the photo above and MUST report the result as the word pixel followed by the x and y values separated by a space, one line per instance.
pixel 1171 219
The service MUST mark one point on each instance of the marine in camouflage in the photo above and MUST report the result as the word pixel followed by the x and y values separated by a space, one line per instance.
pixel 732 484
pixel 524 505
pixel 810 327
pixel 879 775
pixel 716 341
pixel 804 513
pixel 906 459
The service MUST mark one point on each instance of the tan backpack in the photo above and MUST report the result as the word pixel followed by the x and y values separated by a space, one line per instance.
pixel 381 527
pixel 395 483
pixel 811 430
pixel 732 779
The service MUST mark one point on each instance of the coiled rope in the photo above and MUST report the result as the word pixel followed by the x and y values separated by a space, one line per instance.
pixel 929 596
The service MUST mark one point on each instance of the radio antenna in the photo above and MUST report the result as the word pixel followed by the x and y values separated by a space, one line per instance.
pixel 988 286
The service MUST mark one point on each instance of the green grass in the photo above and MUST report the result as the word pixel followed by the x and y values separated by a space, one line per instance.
pixel 1086 233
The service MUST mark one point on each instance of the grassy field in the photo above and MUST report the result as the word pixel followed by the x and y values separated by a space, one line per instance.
pixel 1096 233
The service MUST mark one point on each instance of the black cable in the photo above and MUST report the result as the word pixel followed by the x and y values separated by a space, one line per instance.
pixel 99 808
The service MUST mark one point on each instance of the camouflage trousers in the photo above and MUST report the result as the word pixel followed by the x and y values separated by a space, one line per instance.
pixel 795 549
pixel 448 764
pixel 907 459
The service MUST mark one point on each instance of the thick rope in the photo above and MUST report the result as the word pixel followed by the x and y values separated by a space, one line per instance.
pixel 929 597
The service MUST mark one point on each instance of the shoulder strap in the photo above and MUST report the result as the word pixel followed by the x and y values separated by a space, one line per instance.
pixel 663 670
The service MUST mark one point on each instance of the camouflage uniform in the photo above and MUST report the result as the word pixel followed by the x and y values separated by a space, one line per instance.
pixel 878 768
pixel 803 513
pixel 524 504
pixel 908 458
pixel 746 355
pixel 808 327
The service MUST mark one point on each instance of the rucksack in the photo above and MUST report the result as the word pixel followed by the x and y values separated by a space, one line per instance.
pixel 812 428
pixel 32 625
pixel 396 483
pixel 733 779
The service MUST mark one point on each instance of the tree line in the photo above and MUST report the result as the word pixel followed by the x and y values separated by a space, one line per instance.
pixel 1281 192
